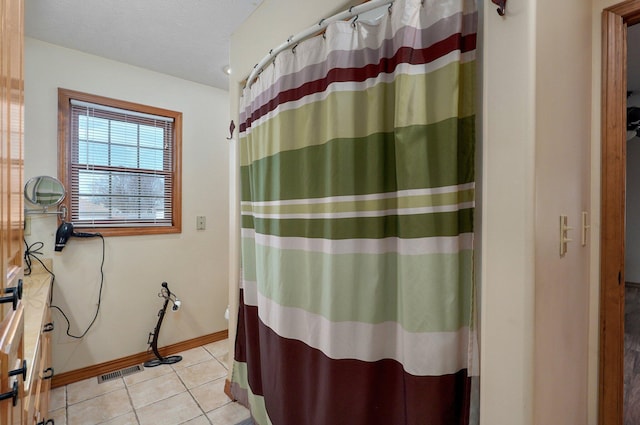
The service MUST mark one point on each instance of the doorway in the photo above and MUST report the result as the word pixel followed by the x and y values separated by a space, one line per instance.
pixel 631 408
pixel 615 21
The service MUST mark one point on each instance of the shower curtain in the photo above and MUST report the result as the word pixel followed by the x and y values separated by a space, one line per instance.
pixel 357 175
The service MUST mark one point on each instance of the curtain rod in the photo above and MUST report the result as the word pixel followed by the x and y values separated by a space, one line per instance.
pixel 319 27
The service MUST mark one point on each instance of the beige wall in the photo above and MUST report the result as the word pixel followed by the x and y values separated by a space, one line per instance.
pixel 507 271
pixel 563 103
pixel 194 263
pixel 538 322
pixel 538 311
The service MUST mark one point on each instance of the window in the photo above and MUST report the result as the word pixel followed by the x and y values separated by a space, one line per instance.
pixel 120 164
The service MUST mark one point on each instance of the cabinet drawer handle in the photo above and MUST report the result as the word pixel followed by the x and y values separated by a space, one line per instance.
pixel 15 294
pixel 48 327
pixel 47 370
pixel 17 289
pixel 22 371
pixel 13 394
pixel 11 298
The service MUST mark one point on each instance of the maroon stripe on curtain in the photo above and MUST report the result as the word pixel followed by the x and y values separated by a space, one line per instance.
pixel 405 54
pixel 301 385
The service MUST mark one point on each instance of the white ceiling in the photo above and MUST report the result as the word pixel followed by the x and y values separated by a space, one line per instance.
pixel 188 39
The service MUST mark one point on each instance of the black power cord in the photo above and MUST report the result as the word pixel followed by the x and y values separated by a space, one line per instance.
pixel 32 251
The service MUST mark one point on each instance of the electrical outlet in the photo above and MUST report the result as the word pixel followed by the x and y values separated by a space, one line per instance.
pixel 201 222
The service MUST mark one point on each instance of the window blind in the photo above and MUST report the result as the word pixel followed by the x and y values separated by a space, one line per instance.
pixel 121 167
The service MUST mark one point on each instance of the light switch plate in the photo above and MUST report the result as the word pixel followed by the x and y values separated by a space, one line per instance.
pixel 564 234
pixel 585 227
pixel 201 222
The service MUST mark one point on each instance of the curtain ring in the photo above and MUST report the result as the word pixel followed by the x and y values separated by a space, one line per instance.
pixel 321 21
pixel 353 23
pixel 293 49
pixel 389 9
pixel 351 8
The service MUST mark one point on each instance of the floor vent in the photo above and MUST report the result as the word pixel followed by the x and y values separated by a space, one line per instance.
pixel 120 373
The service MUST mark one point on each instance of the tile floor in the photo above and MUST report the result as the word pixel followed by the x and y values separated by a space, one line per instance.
pixel 188 392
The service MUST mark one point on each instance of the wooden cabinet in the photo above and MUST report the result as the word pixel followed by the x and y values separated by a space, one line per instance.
pixel 36 404
pixel 19 341
pixel 44 387
pixel 37 330
pixel 12 373
pixel 11 140
pixel 31 397
pixel 11 208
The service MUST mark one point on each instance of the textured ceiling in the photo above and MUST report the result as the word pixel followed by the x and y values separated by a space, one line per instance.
pixel 188 39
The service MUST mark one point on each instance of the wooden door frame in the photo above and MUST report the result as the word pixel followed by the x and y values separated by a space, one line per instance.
pixel 615 20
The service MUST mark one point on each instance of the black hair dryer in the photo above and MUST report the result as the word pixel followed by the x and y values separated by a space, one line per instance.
pixel 65 231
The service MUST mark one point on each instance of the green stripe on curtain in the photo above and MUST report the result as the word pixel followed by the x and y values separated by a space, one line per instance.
pixel 258 409
pixel 315 119
pixel 409 158
pixel 416 291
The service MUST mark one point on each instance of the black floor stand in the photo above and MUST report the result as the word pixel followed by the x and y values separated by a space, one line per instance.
pixel 153 337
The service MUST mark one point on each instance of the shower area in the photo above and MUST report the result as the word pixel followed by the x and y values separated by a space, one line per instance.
pixel 356 152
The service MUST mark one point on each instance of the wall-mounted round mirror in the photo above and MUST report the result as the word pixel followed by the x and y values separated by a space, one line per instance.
pixel 45 191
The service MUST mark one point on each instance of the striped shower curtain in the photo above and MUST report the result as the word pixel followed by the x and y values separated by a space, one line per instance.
pixel 357 174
